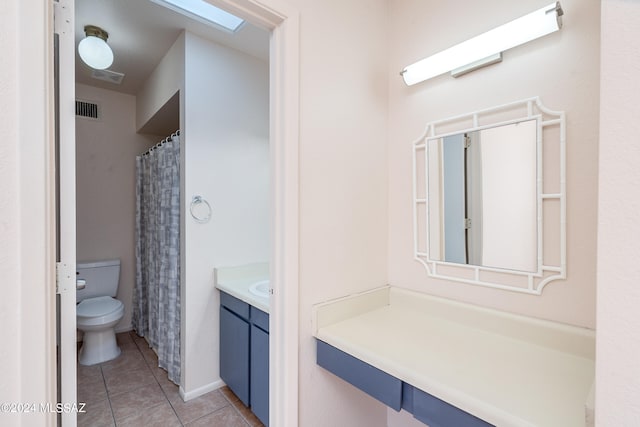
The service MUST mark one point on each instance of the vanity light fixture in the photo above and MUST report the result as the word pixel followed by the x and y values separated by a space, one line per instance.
pixel 487 48
pixel 94 50
pixel 204 12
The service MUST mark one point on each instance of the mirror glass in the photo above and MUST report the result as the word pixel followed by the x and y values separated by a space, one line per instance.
pixel 489 197
pixel 482 197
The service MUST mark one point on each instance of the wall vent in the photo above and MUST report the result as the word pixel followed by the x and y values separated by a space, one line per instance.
pixel 87 109
pixel 108 76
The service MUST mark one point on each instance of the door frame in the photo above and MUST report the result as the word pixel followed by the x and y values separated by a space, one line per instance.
pixel 283 21
pixel 35 179
pixel 284 62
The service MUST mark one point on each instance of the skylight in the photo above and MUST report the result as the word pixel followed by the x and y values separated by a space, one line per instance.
pixel 204 12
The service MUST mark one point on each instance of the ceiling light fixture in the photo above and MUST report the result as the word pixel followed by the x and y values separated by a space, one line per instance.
pixel 204 12
pixel 94 50
pixel 487 48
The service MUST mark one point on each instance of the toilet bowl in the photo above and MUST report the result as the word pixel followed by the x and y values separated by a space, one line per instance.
pixel 96 317
pixel 97 312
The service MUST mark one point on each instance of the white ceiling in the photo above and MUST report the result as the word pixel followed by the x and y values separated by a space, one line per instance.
pixel 141 32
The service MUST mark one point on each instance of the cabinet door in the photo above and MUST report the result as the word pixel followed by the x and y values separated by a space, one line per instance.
pixel 260 374
pixel 234 353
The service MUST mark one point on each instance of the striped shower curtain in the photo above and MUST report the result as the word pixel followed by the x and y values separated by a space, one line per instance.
pixel 156 298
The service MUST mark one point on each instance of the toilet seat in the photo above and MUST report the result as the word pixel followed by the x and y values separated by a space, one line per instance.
pixel 98 311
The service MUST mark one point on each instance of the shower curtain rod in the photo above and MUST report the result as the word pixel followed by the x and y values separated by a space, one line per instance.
pixel 159 144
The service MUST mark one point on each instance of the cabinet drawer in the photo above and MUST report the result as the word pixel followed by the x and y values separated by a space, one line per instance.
pixel 260 319
pixel 378 384
pixel 234 305
pixel 438 413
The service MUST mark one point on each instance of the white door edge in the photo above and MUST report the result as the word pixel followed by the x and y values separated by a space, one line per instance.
pixel 64 28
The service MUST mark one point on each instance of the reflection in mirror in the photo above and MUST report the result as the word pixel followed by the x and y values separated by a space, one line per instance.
pixel 489 197
pixel 482 197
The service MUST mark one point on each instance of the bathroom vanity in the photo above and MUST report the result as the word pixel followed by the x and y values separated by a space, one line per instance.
pixel 244 334
pixel 450 363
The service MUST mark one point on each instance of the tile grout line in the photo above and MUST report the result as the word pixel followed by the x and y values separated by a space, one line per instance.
pixel 235 408
pixel 146 362
pixel 229 403
pixel 104 381
pixel 164 393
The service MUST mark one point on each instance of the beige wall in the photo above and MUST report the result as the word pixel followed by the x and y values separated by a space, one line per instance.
pixel 25 223
pixel 618 336
pixel 105 186
pixel 562 69
pixel 10 303
pixel 343 186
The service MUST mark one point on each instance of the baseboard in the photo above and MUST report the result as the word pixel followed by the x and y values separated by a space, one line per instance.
pixel 186 396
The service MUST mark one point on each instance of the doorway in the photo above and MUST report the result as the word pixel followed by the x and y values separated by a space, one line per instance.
pixel 283 136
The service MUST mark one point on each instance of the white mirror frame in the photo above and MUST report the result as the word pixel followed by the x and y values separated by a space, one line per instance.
pixel 512 280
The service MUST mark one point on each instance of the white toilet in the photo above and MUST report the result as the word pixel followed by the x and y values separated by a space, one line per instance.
pixel 98 312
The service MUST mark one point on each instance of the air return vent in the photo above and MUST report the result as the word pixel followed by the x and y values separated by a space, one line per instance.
pixel 108 76
pixel 86 109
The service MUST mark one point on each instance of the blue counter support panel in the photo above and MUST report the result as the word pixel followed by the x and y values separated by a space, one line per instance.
pixel 384 387
pixel 393 392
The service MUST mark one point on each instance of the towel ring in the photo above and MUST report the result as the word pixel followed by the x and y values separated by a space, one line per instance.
pixel 195 202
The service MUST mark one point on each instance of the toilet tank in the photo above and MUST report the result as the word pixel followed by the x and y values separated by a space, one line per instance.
pixel 101 278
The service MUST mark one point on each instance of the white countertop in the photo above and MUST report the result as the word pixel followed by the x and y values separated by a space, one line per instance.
pixel 508 370
pixel 236 281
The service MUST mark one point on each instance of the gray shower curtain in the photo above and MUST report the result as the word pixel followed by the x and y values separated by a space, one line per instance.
pixel 156 299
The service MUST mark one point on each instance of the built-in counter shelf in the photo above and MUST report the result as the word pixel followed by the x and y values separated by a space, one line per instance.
pixel 498 368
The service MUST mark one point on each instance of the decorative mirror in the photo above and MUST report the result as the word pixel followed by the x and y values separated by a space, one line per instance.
pixel 489 197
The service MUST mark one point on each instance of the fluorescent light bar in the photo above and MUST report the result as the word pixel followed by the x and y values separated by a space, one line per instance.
pixel 529 27
pixel 204 12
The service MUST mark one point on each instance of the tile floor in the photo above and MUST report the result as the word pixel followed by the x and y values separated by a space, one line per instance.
pixel 132 391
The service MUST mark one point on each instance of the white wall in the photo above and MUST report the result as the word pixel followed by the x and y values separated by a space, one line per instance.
pixel 106 186
pixel 618 327
pixel 224 121
pixel 226 152
pixel 561 68
pixel 165 80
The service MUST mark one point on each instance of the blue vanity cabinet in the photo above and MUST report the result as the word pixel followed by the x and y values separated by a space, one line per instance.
pixel 393 392
pixel 235 332
pixel 244 353
pixel 259 383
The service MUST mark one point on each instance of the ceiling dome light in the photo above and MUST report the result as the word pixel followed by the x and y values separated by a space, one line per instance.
pixel 94 50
